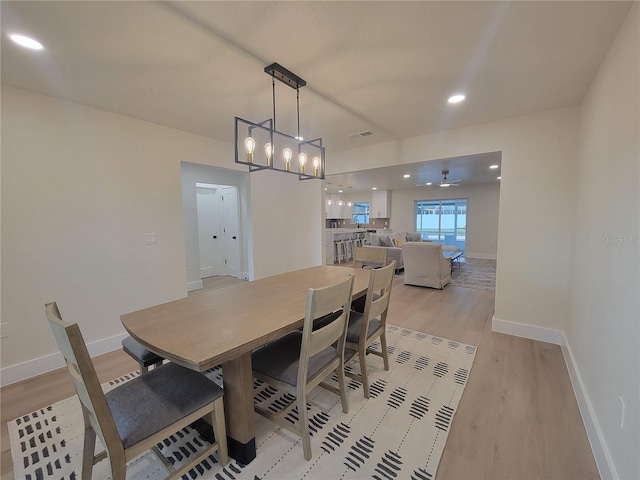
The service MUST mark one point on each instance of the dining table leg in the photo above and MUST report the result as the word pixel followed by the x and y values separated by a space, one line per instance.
pixel 237 377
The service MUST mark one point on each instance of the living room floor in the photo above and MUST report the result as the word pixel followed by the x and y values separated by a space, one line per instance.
pixel 518 417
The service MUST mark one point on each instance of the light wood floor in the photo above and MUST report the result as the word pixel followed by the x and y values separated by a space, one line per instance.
pixel 518 417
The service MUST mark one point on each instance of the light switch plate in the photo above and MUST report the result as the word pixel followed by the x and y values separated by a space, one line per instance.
pixel 150 238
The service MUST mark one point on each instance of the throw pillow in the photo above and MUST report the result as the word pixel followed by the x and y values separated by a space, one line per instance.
pixel 385 241
pixel 397 242
pixel 374 239
pixel 414 237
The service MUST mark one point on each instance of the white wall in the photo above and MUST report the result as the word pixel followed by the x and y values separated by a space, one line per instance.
pixel 81 187
pixel 603 331
pixel 536 203
pixel 195 173
pixel 288 223
pixel 482 213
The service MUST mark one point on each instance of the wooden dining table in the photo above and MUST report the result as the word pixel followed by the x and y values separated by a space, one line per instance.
pixel 223 326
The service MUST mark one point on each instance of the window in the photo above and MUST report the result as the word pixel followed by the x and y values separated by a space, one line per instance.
pixel 360 213
pixel 443 221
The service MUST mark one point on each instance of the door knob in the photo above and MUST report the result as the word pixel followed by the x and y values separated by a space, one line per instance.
pixel 234 237
pixel 215 236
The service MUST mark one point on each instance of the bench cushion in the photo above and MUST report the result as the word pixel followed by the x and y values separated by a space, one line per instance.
pixel 140 353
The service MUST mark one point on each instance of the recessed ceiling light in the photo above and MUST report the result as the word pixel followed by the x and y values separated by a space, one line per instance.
pixel 494 166
pixel 374 188
pixel 456 98
pixel 406 175
pixel 26 42
pixel 325 189
pixel 428 183
pixel 499 178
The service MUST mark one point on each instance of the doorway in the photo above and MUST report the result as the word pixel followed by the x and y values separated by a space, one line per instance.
pixel 218 230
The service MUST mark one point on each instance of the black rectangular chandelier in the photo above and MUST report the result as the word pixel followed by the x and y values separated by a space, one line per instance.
pixel 262 147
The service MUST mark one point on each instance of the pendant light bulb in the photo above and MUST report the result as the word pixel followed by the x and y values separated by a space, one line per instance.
pixel 302 160
pixel 316 165
pixel 250 146
pixel 268 151
pixel 287 154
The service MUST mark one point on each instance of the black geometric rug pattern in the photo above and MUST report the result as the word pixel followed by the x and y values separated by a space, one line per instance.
pixel 473 275
pixel 399 432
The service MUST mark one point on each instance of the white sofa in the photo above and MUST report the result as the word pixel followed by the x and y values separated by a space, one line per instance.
pixel 425 265
pixel 393 244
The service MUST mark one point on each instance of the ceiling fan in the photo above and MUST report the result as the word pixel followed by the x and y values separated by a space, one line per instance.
pixel 448 183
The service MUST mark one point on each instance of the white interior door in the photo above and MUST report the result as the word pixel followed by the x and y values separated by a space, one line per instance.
pixel 210 231
pixel 230 220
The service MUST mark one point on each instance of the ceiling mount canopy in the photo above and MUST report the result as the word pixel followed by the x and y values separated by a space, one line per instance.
pixel 279 148
pixel 446 182
pixel 287 77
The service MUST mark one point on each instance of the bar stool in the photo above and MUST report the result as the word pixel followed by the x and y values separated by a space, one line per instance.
pixel 143 356
pixel 348 243
pixel 336 251
pixel 357 241
pixel 338 247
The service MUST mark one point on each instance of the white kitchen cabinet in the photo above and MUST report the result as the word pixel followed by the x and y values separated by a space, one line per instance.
pixel 346 211
pixel 334 209
pixel 380 204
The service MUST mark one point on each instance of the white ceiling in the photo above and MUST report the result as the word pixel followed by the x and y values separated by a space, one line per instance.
pixel 386 67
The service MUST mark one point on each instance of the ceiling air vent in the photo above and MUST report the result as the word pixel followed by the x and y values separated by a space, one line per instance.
pixel 361 134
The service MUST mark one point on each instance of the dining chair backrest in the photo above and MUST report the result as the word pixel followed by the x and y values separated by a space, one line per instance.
pixel 85 379
pixel 377 306
pixel 374 256
pixel 323 302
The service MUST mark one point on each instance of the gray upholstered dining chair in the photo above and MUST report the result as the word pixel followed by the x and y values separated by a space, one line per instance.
pixel 140 354
pixel 365 328
pixel 137 415
pixel 301 360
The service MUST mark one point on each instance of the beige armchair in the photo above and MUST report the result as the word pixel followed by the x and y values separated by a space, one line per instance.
pixel 424 265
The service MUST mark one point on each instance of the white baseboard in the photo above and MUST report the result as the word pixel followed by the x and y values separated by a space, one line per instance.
pixel 532 332
pixel 48 363
pixel 601 453
pixel 481 256
pixel 191 286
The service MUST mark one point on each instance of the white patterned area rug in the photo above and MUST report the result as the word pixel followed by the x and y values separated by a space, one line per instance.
pixel 399 432
pixel 473 275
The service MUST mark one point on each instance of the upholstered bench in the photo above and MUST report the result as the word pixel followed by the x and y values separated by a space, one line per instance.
pixel 143 356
